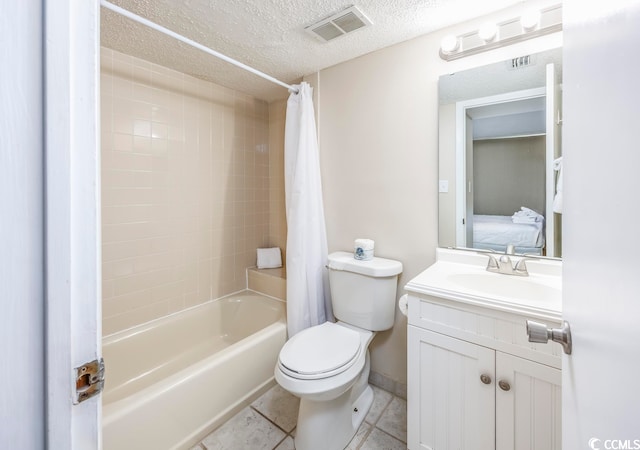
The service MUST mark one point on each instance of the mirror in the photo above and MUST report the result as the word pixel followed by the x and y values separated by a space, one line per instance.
pixel 500 159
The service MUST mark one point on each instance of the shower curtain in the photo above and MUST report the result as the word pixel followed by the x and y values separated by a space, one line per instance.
pixel 308 301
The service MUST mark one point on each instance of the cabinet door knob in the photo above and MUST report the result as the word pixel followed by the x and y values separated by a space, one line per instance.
pixel 486 379
pixel 505 386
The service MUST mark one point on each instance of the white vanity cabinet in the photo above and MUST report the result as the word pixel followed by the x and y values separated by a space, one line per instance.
pixel 474 380
pixel 449 407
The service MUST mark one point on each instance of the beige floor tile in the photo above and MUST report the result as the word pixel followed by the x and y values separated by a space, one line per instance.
pixel 360 436
pixel 279 406
pixel 385 426
pixel 247 430
pixel 287 444
pixel 379 440
pixel 381 399
pixel 394 419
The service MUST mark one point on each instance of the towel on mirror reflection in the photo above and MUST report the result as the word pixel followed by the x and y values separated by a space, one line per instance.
pixel 526 215
pixel 557 200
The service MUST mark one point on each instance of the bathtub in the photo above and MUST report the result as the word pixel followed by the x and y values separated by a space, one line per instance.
pixel 172 381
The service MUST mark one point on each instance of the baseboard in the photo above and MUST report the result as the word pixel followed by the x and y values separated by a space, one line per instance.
pixel 389 385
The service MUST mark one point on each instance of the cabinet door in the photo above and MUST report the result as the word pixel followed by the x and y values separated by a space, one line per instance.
pixel 449 406
pixel 528 414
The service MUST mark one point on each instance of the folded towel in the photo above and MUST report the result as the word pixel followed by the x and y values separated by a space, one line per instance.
pixel 526 215
pixel 527 219
pixel 525 212
pixel 269 258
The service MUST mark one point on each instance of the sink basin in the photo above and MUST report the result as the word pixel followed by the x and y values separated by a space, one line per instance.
pixel 506 286
pixel 461 276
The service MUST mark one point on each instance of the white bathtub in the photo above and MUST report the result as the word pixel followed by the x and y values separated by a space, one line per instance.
pixel 172 381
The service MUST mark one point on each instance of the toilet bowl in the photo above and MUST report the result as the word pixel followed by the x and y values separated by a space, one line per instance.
pixel 333 385
pixel 327 365
pixel 322 362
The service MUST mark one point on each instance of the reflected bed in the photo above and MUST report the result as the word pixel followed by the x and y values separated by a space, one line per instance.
pixel 496 232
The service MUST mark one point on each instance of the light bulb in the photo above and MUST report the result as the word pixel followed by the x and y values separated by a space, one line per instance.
pixel 530 20
pixel 488 32
pixel 449 44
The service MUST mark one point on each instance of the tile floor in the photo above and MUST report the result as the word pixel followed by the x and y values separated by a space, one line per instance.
pixel 269 424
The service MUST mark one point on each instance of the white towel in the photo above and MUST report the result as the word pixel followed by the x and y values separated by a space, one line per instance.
pixel 526 215
pixel 527 219
pixel 557 200
pixel 525 212
pixel 269 258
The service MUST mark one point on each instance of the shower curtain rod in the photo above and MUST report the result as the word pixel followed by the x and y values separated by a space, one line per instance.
pixel 187 41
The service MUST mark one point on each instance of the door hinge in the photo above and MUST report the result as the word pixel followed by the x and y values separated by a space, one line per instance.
pixel 89 380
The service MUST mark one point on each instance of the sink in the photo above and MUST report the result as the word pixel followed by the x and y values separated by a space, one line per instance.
pixel 506 286
pixel 461 276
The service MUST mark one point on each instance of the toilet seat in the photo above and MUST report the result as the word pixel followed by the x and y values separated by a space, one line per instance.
pixel 319 352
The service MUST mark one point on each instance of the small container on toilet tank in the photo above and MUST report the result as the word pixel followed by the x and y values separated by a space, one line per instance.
pixel 363 249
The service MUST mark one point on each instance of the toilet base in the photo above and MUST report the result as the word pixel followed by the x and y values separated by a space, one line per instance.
pixel 360 409
pixel 330 425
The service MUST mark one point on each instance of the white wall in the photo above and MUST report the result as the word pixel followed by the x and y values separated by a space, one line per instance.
pixel 378 131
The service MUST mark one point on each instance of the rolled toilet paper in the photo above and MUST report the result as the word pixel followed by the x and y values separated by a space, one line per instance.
pixel 363 249
pixel 403 304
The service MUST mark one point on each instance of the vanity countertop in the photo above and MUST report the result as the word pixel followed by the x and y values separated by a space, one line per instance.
pixel 462 276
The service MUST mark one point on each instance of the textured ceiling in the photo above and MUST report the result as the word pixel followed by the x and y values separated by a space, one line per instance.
pixel 269 34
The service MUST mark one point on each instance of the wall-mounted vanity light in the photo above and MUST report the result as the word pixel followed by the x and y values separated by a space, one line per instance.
pixel 449 44
pixel 488 32
pixel 530 20
pixel 531 24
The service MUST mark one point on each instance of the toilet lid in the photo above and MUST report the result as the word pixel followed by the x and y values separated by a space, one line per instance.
pixel 321 349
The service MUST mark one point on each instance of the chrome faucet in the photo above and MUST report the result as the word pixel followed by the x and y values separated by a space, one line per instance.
pixel 505 266
pixel 521 266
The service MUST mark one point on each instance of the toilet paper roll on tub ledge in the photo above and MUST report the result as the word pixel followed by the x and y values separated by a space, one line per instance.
pixel 363 249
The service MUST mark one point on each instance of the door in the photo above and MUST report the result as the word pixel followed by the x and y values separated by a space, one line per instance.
pixel 601 282
pixel 528 405
pixel 453 382
pixel 72 218
pixel 468 185
pixel 551 153
pixel 21 218
pixel 49 277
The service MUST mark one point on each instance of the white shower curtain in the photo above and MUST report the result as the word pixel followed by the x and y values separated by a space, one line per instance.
pixel 308 301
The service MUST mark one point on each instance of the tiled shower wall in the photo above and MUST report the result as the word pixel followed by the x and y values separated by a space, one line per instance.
pixel 185 189
pixel 277 216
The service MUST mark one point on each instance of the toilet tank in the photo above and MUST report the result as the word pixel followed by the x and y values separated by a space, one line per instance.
pixel 363 293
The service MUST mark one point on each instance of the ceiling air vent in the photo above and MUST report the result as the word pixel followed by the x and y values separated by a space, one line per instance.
pixel 351 19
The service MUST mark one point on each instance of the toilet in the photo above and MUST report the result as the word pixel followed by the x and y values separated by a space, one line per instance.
pixel 327 365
